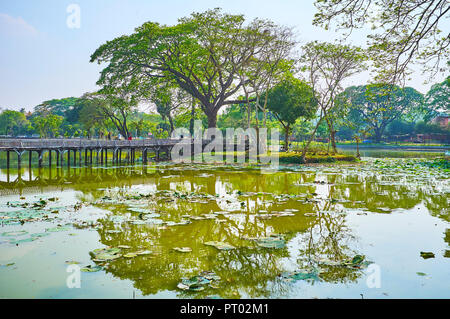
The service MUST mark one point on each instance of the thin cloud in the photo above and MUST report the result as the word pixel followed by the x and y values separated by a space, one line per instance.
pixel 11 26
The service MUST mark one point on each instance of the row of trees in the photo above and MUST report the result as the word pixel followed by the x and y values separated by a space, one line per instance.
pixel 364 111
pixel 212 60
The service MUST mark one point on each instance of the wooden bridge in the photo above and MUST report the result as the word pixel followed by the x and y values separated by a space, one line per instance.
pixel 97 149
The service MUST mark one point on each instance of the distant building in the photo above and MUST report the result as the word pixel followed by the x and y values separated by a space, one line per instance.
pixel 441 119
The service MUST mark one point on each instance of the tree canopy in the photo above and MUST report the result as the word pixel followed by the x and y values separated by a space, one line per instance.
pixel 203 54
pixel 380 104
pixel 289 100
pixel 403 32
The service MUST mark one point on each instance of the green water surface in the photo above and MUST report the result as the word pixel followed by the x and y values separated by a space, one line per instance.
pixel 287 233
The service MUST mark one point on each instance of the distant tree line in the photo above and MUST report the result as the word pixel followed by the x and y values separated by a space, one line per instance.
pixel 230 72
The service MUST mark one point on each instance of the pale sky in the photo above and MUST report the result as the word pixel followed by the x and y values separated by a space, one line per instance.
pixel 41 58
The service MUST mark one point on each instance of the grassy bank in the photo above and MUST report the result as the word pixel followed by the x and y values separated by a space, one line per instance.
pixel 296 158
pixel 392 144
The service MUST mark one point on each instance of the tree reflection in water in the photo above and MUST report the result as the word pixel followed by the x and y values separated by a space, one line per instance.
pixel 322 198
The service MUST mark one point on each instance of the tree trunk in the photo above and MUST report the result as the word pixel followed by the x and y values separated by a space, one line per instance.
pixel 172 128
pixel 212 120
pixel 191 124
pixel 358 156
pixel 286 138
pixel 378 134
pixel 333 140
pixel 332 132
pixel 310 140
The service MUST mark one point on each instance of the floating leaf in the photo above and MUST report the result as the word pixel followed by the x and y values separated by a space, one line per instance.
pixel 421 273
pixel 301 275
pixel 58 229
pixel 20 241
pixel 183 249
pixel 220 245
pixel 274 241
pixel 426 255
pixel 14 233
pixel 91 268
pixel 199 283
pixel 143 252
pixel 106 254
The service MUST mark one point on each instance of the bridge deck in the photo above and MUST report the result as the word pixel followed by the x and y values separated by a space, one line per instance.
pixel 46 144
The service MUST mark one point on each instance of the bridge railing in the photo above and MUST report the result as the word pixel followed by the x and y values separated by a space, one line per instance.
pixel 81 143
pixel 56 143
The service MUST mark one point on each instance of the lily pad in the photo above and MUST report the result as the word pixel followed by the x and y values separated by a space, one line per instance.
pixel 106 254
pixel 220 245
pixel 143 252
pixel 91 268
pixel 357 262
pixel 274 241
pixel 113 231
pixel 198 283
pixel 58 229
pixel 312 274
pixel 421 273
pixel 14 233
pixel 183 249
pixel 181 223
pixel 426 255
pixel 20 241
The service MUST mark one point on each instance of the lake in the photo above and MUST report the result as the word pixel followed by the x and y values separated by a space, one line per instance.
pixel 376 229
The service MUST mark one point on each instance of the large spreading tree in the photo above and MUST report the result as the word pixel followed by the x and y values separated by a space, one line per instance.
pixel 327 66
pixel 403 32
pixel 13 123
pixel 437 99
pixel 380 104
pixel 290 100
pixel 203 54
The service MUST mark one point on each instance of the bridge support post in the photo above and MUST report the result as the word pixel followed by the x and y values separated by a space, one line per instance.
pixel 19 161
pixel 144 156
pixel 68 158
pixel 50 159
pixel 30 156
pixel 7 162
pixel 40 159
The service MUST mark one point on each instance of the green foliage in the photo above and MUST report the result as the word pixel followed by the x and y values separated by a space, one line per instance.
pixel 378 105
pixel 13 123
pixel 437 99
pixel 47 126
pixel 203 54
pixel 403 32
pixel 426 128
pixel 296 158
pixel 289 100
